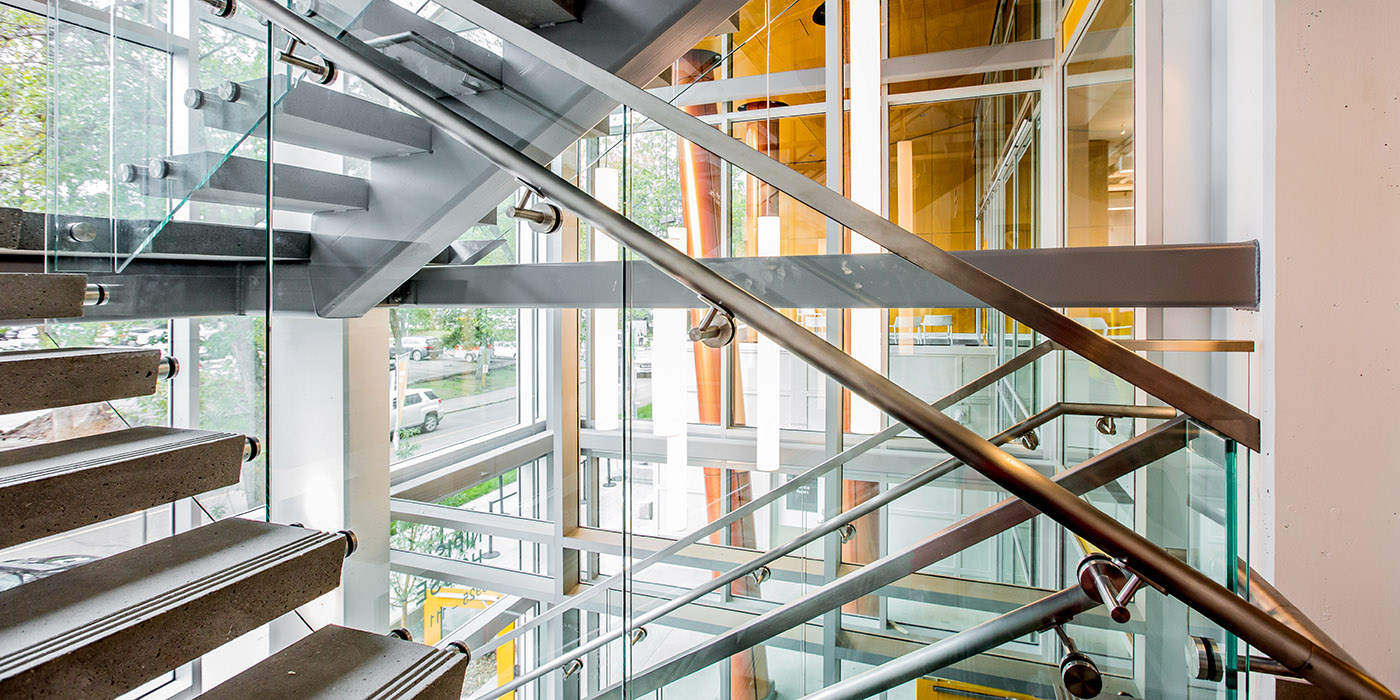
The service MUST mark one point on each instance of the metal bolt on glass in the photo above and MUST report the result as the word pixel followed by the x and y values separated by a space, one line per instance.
pixel 715 330
pixel 221 8
pixel 461 648
pixel 252 448
pixel 129 172
pixel 325 71
pixel 1030 441
pixel 81 232
pixel 761 574
pixel 1102 580
pixel 1078 672
pixel 229 91
pixel 95 295
pixel 158 168
pixel 1106 426
pixel 547 219
pixel 168 367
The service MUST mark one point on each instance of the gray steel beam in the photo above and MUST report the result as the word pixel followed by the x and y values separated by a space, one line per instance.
pixel 943 64
pixel 31 380
pixel 338 663
pixel 59 486
pixel 169 288
pixel 1119 276
pixel 108 626
pixel 186 240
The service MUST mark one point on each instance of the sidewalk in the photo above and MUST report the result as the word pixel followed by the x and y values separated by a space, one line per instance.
pixel 464 403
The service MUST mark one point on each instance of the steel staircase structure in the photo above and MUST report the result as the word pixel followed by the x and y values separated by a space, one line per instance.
pixel 481 126
pixel 1135 556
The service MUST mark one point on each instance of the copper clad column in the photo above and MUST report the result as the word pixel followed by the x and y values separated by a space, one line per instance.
pixel 700 203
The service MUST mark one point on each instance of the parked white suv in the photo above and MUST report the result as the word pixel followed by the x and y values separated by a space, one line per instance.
pixel 421 409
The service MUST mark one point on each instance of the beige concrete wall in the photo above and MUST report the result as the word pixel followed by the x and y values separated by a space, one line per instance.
pixel 1336 330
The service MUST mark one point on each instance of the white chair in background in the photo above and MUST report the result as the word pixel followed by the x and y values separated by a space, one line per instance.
pixel 937 326
pixel 1098 325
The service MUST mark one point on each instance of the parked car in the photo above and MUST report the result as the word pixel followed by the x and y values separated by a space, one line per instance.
pixel 421 409
pixel 20 571
pixel 420 347
pixel 505 349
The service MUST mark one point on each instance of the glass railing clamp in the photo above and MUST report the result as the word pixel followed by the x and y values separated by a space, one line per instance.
pixel 716 329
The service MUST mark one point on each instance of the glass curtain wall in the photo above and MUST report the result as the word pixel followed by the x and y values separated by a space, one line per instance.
pixel 91 88
pixel 714 479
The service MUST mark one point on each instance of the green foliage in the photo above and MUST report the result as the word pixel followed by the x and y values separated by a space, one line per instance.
pixel 23 109
pixel 403 447
pixel 407 591
pixel 462 498
pixel 459 385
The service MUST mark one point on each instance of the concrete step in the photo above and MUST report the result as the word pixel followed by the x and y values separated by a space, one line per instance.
pixel 314 117
pixel 30 296
pixel 210 176
pixel 103 628
pixel 32 380
pixel 60 486
pixel 338 663
pixel 535 13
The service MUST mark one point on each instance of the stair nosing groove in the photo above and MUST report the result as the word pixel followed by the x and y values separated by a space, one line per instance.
pixel 421 670
pixel 47 472
pixel 23 657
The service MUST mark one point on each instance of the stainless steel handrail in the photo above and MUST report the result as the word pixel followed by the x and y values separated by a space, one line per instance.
pixel 826 527
pixel 1106 467
pixel 1280 642
pixel 989 378
pixel 1054 609
pixel 1202 405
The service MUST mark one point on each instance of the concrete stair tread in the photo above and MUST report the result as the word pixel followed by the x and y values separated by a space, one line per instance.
pixel 32 380
pixel 315 117
pixel 105 627
pixel 60 486
pixel 338 663
pixel 210 176
pixel 27 296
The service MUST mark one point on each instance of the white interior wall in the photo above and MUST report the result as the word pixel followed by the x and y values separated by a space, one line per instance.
pixel 1334 333
pixel 329 468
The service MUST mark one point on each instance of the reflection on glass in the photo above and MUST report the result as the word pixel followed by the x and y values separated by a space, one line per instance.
pixel 1099 147
pixel 453 376
pixel 233 398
